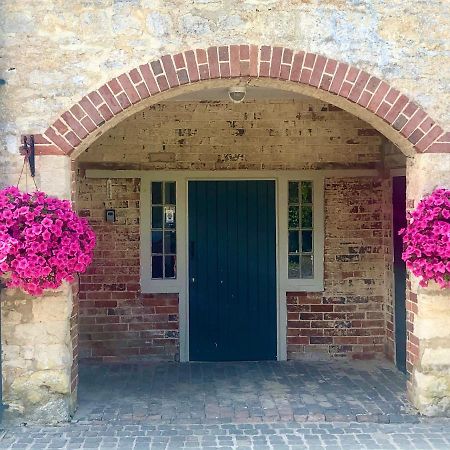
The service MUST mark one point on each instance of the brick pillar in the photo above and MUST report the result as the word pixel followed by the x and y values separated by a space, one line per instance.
pixel 39 334
pixel 428 309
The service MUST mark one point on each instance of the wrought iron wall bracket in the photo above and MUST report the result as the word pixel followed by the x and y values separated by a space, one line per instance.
pixel 27 150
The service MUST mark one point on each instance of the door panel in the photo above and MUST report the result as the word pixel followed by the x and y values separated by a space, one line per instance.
pixel 232 270
pixel 399 222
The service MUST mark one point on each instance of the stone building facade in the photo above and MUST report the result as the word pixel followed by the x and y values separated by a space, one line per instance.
pixel 132 93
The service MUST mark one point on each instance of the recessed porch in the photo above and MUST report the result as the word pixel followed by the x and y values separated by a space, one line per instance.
pixel 292 188
pixel 303 183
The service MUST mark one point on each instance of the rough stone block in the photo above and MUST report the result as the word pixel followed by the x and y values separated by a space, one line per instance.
pixel 430 387
pixel 37 355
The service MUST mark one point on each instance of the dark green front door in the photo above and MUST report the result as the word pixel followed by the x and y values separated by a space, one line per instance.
pixel 232 271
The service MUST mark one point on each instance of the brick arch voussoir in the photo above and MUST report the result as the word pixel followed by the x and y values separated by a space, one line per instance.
pixel 87 117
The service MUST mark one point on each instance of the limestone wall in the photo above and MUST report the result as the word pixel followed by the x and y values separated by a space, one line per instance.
pixel 37 355
pixel 53 51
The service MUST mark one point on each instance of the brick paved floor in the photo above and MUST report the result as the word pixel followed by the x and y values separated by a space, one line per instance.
pixel 255 406
pixel 244 392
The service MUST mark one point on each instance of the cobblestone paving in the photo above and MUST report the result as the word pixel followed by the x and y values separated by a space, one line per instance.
pixel 244 392
pixel 308 436
pixel 307 405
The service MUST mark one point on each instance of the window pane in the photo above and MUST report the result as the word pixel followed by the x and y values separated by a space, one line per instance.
pixel 169 266
pixel 307 241
pixel 157 241
pixel 306 192
pixel 170 193
pixel 170 242
pixel 293 242
pixel 307 266
pixel 293 192
pixel 293 267
pixel 307 217
pixel 157 266
pixel 293 217
pixel 157 193
pixel 157 217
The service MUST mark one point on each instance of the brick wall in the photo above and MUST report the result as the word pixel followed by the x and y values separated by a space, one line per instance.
pixel 348 318
pixel 412 348
pixel 116 321
pixel 218 135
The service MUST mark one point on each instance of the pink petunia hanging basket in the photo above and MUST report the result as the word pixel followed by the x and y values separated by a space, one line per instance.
pixel 43 242
pixel 427 239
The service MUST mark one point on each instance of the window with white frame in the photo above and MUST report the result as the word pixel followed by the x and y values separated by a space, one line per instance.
pixel 300 230
pixel 162 233
pixel 302 233
pixel 163 230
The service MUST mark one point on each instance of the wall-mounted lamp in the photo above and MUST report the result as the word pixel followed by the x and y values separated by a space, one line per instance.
pixel 237 93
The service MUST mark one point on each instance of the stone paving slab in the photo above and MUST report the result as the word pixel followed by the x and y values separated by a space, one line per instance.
pixel 434 434
pixel 244 392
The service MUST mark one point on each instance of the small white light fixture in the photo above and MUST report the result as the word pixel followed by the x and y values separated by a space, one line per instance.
pixel 237 93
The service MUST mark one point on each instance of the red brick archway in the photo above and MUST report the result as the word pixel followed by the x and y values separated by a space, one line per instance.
pixel 102 108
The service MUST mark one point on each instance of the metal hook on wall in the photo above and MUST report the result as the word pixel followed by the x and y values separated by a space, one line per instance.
pixel 29 153
pixel 27 149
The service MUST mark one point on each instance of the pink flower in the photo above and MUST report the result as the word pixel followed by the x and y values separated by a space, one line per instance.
pixel 56 230
pixel 22 263
pixel 36 228
pixel 46 222
pixel 30 216
pixel 46 235
pixel 7 214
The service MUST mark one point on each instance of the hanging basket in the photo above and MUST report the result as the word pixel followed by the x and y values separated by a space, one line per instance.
pixel 427 239
pixel 43 242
